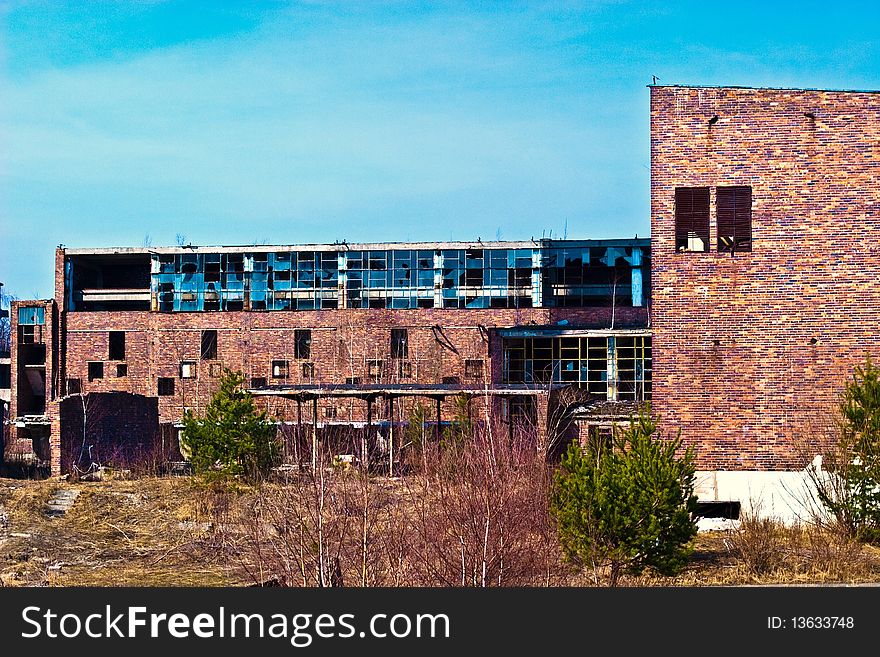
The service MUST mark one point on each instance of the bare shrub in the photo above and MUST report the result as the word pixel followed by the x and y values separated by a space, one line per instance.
pixel 758 542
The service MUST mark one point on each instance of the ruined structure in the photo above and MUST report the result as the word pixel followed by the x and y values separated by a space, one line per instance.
pixel 760 277
pixel 326 335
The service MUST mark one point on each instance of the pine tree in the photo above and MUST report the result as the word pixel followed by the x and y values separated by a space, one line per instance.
pixel 852 493
pixel 626 505
pixel 233 438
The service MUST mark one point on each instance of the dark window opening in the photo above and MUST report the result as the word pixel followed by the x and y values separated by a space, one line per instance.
pixel 121 370
pixel 399 343
pixel 691 219
pixel 117 345
pixel 713 509
pixel 30 334
pixel 166 386
pixel 473 369
pixel 280 369
pixel 96 370
pixel 308 370
pixel 302 343
pixel 374 370
pixel 74 386
pixel 330 412
pixel 258 382
pixel 352 380
pixel 451 380
pixel 734 212
pixel 209 344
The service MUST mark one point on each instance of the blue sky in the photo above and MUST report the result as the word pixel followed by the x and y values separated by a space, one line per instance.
pixel 277 122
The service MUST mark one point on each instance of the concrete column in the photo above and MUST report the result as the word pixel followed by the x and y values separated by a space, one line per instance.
pixel 537 279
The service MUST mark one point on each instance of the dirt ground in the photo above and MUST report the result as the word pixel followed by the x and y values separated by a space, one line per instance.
pixel 153 532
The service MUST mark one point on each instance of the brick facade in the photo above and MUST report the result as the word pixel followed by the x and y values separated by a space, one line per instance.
pixel 752 349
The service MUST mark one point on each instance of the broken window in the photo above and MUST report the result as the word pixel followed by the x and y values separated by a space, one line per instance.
pixel 117 345
pixel 215 370
pixel 374 370
pixel 188 369
pixel 399 343
pixel 74 386
pixel 166 386
pixel 691 219
pixel 121 370
pixel 209 344
pixel 258 382
pixel 96 370
pixel 734 213
pixel 473 368
pixel 31 315
pixel 308 370
pixel 302 343
pixel 30 334
pixel 280 369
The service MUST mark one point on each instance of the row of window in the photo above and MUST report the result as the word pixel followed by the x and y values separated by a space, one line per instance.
pixel 302 344
pixel 733 210
pixel 280 369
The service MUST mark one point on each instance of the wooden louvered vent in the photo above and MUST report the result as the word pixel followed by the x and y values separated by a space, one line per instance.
pixel 734 208
pixel 691 218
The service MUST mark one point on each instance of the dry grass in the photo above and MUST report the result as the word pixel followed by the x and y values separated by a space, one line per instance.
pixel 142 532
pixel 155 532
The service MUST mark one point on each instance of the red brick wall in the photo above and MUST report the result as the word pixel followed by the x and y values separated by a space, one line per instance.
pixel 342 342
pixel 756 399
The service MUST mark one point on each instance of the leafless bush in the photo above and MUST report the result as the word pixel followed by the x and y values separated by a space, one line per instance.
pixel 758 542
pixel 475 515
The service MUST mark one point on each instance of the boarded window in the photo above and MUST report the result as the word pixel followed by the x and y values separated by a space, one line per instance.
pixel 188 369
pixel 691 218
pixel 280 369
pixel 734 210
pixel 209 344
pixel 117 345
pixel 96 370
pixel 166 386
pixel 302 343
pixel 399 343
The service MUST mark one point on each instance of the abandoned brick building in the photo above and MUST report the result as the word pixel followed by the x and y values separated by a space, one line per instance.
pixel 757 290
pixel 326 336
pixel 765 226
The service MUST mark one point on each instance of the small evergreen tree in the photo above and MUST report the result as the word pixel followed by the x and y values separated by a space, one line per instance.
pixel 233 438
pixel 851 494
pixel 626 505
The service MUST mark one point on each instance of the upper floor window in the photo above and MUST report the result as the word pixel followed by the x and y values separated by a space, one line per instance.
pixel 734 211
pixel 399 343
pixel 116 349
pixel 691 219
pixel 31 315
pixel 302 343
pixel 209 344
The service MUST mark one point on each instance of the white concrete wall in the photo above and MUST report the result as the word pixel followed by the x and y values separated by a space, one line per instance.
pixel 784 495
